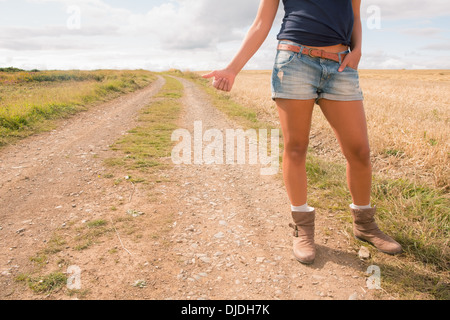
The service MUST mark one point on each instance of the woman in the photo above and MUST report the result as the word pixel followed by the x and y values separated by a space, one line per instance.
pixel 317 60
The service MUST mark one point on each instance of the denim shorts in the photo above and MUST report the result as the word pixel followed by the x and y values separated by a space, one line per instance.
pixel 302 77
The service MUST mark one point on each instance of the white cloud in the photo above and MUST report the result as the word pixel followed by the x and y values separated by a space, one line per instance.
pixel 190 24
pixel 55 31
pixel 408 9
pixel 382 59
pixel 122 38
pixel 178 24
pixel 442 46
pixel 196 34
pixel 426 32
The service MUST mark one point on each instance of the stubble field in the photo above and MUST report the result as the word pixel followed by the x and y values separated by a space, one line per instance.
pixel 408 114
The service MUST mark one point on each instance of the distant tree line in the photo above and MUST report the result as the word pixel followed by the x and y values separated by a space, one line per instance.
pixel 12 69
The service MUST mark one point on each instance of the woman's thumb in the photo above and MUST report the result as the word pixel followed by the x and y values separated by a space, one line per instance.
pixel 209 75
pixel 343 64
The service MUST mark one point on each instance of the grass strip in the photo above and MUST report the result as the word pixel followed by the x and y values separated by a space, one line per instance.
pixel 44 284
pixel 146 146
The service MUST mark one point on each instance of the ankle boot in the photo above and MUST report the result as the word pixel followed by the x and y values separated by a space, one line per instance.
pixel 304 249
pixel 366 229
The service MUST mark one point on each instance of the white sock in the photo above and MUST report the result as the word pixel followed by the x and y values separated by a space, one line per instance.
pixel 354 206
pixel 303 208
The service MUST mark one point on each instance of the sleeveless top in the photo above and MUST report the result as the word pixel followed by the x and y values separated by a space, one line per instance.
pixel 317 23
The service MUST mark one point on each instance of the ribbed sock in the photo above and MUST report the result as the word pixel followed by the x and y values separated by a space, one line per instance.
pixel 303 208
pixel 354 206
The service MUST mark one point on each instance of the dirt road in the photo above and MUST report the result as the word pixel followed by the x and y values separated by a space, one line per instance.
pixel 216 231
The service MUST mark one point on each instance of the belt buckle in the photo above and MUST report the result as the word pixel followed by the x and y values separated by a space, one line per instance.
pixel 322 54
pixel 317 56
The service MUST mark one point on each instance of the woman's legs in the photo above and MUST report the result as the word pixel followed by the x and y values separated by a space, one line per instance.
pixel 295 118
pixel 347 118
pixel 349 123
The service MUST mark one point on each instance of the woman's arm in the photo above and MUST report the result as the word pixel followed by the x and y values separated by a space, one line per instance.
pixel 352 59
pixel 224 79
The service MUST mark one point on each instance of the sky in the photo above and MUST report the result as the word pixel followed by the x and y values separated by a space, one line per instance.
pixel 196 35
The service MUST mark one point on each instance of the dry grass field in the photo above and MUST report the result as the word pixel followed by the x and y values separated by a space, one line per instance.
pixel 29 99
pixel 408 114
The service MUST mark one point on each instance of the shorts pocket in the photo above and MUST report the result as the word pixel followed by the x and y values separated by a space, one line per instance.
pixel 284 57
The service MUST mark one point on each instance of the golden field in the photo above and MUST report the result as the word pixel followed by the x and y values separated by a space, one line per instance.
pixel 30 100
pixel 408 113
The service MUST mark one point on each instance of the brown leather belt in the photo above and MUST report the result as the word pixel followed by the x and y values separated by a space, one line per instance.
pixel 314 53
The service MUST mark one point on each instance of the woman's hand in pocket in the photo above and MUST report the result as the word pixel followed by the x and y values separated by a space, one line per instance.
pixel 351 60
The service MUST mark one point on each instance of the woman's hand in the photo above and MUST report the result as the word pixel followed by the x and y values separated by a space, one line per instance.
pixel 351 60
pixel 223 79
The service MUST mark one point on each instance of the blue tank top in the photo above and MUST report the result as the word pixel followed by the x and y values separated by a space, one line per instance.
pixel 318 23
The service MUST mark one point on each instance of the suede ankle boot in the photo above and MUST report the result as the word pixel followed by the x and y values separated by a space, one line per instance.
pixel 303 248
pixel 366 229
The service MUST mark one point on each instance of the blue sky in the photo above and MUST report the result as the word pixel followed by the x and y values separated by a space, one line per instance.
pixel 199 34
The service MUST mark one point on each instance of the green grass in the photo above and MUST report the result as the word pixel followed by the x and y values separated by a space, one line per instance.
pixel 417 216
pixel 44 284
pixel 420 218
pixel 55 245
pixel 394 153
pixel 91 234
pixel 40 259
pixel 147 144
pixel 97 223
pixel 30 102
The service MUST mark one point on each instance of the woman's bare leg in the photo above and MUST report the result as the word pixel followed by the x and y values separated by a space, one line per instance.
pixel 295 118
pixel 348 121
